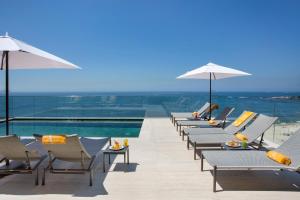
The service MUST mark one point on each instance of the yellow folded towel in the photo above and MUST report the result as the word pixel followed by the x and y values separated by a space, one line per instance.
pixel 241 137
pixel 279 157
pixel 242 118
pixel 54 139
pixel 212 122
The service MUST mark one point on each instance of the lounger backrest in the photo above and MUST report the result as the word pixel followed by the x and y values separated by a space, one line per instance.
pixel 291 148
pixel 203 108
pixel 232 129
pixel 209 110
pixel 257 128
pixel 12 149
pixel 71 151
pixel 224 114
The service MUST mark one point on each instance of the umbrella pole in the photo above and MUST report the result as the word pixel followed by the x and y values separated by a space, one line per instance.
pixel 209 96
pixel 7 94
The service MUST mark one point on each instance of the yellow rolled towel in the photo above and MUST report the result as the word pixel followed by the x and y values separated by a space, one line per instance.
pixel 242 118
pixel 54 139
pixel 241 137
pixel 279 157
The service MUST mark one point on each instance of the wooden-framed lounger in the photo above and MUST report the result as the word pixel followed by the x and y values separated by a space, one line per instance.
pixel 230 129
pixel 82 151
pixel 253 160
pixel 255 130
pixel 20 158
pixel 219 121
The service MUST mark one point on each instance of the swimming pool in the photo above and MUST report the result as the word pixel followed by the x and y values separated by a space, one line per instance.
pixel 86 128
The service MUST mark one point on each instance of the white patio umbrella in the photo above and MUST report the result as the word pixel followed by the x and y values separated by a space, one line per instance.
pixel 15 54
pixel 212 71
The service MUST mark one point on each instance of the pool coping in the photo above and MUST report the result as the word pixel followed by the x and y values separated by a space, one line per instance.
pixel 76 119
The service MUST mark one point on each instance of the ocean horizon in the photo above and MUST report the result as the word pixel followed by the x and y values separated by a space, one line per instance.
pixel 2 92
pixel 285 105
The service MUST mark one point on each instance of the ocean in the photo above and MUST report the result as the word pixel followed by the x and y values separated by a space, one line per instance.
pixel 286 106
pixel 129 106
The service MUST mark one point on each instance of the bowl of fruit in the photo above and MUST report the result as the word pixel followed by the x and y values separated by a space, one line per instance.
pixel 233 144
pixel 116 146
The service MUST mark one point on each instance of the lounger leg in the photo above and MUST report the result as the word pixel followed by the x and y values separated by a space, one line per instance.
pixel 215 179
pixel 127 156
pixel 200 153
pixel 194 150
pixel 182 134
pixel 37 176
pixel 103 162
pixel 180 130
pixel 188 143
pixel 44 177
pixel 91 177
pixel 201 163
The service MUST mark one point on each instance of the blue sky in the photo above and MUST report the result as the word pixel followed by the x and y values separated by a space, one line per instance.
pixel 140 45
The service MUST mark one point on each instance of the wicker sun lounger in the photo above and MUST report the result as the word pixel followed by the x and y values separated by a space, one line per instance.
pixel 219 121
pixel 230 129
pixel 82 151
pixel 255 130
pixel 253 160
pixel 201 111
pixel 20 158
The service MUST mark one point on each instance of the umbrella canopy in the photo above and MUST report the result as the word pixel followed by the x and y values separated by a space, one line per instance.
pixel 15 54
pixel 24 56
pixel 212 71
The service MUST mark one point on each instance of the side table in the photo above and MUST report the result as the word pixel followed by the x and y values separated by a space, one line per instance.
pixel 109 152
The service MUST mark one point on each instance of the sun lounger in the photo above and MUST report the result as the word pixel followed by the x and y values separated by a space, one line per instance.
pixel 255 130
pixel 82 151
pixel 230 129
pixel 23 141
pixel 175 115
pixel 18 158
pixel 219 121
pixel 253 160
pixel 206 113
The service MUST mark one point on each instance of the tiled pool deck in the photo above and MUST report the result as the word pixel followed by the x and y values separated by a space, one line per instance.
pixel 161 168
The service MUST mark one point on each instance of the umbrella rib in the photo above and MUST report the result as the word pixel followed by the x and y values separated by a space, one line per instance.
pixel 214 76
pixel 23 51
pixel 2 60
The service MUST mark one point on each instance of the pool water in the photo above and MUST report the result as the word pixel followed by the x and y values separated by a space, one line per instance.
pixel 82 128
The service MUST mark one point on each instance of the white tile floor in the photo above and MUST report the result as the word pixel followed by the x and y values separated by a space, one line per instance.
pixel 161 168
